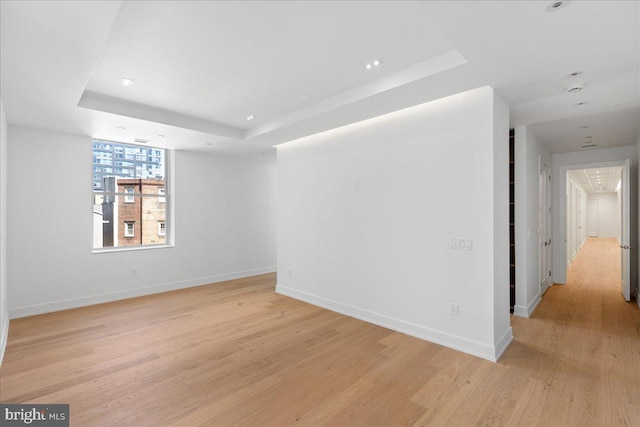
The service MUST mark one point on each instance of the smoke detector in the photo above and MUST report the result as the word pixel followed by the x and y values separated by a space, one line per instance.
pixel 575 88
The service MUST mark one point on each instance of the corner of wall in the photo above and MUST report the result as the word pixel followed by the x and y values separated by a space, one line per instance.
pixel 636 209
pixel 4 310
pixel 501 321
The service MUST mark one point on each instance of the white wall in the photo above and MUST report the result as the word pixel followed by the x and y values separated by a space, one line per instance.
pixel 608 214
pixel 224 213
pixel 4 309
pixel 366 214
pixel 530 152
pixel 584 160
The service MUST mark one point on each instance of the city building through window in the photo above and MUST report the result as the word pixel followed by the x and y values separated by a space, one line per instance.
pixel 129 195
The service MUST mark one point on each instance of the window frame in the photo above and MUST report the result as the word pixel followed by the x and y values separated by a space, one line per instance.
pixel 169 208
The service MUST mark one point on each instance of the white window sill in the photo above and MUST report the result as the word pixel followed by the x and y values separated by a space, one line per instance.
pixel 129 248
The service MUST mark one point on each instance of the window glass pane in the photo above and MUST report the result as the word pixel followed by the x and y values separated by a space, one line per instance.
pixel 129 204
pixel 118 223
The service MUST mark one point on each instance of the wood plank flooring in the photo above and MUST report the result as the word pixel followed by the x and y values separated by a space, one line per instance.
pixel 237 354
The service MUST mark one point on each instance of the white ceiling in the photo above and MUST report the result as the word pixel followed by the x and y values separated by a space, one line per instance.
pixel 200 68
pixel 597 180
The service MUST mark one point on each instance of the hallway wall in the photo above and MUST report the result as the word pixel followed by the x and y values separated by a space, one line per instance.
pixel 576 220
pixel 608 214
pixel 530 153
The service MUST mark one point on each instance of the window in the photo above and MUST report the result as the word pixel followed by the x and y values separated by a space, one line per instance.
pixel 130 200
pixel 127 198
pixel 129 229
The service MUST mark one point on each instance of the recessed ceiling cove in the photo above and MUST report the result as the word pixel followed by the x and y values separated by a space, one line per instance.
pixel 207 66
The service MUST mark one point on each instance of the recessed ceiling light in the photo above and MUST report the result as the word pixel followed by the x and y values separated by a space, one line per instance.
pixel 161 136
pixel 588 136
pixel 127 82
pixel 121 127
pixel 207 144
pixel 581 103
pixel 556 5
pixel 250 118
pixel 574 74
pixel 373 64
pixel 584 127
pixel 575 88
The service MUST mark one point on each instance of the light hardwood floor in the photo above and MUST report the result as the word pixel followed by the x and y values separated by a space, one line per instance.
pixel 236 353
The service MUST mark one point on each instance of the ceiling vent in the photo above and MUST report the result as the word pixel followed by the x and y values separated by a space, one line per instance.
pixel 556 5
pixel 140 141
pixel 589 145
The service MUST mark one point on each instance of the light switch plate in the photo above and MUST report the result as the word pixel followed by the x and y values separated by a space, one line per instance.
pixel 462 244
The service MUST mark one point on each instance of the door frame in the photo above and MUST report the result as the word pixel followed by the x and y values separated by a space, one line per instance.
pixel 559 248
pixel 625 231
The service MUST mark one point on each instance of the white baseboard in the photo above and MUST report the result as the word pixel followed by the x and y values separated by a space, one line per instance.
pixel 32 310
pixel 4 336
pixel 503 343
pixel 522 311
pixel 455 342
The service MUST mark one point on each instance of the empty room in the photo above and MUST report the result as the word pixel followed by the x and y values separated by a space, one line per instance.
pixel 353 213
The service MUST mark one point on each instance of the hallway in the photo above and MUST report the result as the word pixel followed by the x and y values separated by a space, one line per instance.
pixel 584 340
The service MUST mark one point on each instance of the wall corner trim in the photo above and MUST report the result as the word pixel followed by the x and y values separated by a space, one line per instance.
pixel 455 342
pixel 503 343
pixel 521 311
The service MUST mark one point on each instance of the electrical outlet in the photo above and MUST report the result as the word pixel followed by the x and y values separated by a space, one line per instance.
pixel 461 243
pixel 453 309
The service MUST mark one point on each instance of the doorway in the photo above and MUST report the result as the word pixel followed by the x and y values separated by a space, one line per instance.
pixel 597 206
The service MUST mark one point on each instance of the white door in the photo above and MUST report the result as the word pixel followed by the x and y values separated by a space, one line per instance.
pixel 625 238
pixel 593 218
pixel 544 233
